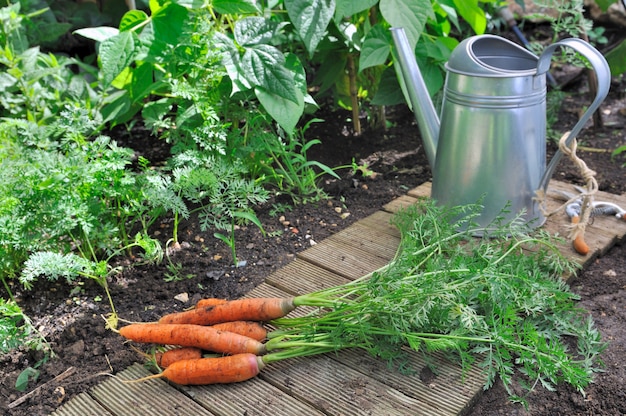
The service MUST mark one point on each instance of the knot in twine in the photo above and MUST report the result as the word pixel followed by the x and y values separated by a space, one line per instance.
pixel 576 229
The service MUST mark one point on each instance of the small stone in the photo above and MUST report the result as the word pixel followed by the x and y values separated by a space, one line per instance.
pixel 312 242
pixel 215 274
pixel 345 215
pixel 182 297
pixel 338 210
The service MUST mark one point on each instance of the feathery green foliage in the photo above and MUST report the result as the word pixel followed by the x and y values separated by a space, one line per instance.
pixel 498 302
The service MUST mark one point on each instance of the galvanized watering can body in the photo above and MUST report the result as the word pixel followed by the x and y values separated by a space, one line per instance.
pixel 490 143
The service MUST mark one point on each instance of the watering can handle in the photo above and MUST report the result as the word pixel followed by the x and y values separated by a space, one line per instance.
pixel 603 74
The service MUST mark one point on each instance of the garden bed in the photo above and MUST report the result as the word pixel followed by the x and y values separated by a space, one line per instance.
pixel 70 317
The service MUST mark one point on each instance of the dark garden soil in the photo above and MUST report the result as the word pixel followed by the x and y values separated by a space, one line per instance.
pixel 70 317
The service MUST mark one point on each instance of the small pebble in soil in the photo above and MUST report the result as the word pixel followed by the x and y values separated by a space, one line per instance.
pixel 182 297
pixel 215 274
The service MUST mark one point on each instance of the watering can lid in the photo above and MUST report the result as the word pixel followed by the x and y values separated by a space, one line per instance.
pixel 491 56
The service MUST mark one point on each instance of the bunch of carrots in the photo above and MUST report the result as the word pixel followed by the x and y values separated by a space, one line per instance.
pixel 501 299
pixel 232 328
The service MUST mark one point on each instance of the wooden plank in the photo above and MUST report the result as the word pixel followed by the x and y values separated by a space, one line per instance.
pixel 81 405
pixel 421 191
pixel 397 204
pixel 380 222
pixel 368 239
pixel 300 277
pixel 600 234
pixel 449 391
pixel 343 259
pixel 255 397
pixel 336 389
pixel 436 381
pixel 146 398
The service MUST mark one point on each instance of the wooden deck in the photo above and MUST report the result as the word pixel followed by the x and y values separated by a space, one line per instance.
pixel 347 383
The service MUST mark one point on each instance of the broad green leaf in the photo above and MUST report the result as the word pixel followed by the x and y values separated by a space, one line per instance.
pixel 310 18
pixel 132 19
pixel 473 15
pixel 115 54
pixel 293 64
pixel 115 106
pixel 156 5
pixel 408 14
pixel 330 71
pixel 605 4
pixel 232 62
pixel 154 111
pixel 99 34
pixel 142 84
pixel 191 4
pixel 389 91
pixel 616 58
pixel 436 49
pixel 235 6
pixel 346 8
pixel 21 382
pixel 285 112
pixel 256 30
pixel 163 31
pixel 263 66
pixel 376 47
pixel 169 23
pixel 449 16
pixel 432 74
pixel 123 79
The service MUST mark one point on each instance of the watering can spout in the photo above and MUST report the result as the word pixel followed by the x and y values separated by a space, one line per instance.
pixel 422 105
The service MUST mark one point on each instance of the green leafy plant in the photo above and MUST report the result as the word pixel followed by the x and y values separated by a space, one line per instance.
pixel 17 329
pixel 53 266
pixel 175 273
pixel 36 86
pixel 619 151
pixel 283 163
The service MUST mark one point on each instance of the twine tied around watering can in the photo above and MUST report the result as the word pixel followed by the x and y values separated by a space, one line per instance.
pixel 579 220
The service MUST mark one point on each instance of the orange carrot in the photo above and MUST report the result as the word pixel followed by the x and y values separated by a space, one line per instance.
pixel 165 359
pixel 204 337
pixel 210 302
pixel 579 243
pixel 251 309
pixel 221 370
pixel 250 329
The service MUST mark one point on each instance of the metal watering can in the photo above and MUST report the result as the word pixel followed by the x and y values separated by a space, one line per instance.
pixel 490 145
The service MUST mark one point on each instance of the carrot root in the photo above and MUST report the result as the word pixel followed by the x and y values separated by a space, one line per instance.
pixel 185 335
pixel 249 309
pixel 200 371
pixel 167 358
pixel 579 243
pixel 252 329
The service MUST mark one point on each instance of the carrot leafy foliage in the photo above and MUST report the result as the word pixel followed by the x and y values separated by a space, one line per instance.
pixel 499 302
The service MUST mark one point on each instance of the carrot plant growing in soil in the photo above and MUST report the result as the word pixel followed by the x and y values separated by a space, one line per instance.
pixel 499 302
